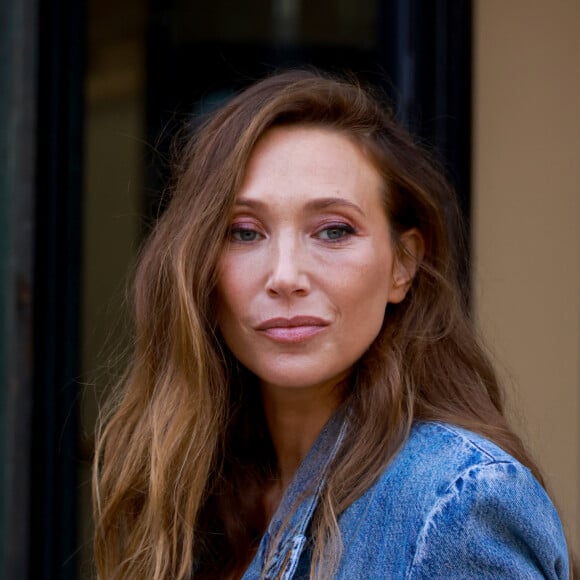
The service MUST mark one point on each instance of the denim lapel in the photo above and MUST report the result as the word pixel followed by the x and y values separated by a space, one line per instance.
pixel 289 524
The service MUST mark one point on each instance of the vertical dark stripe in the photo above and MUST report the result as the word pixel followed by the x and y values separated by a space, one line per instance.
pixel 426 49
pixel 18 65
pixel 57 290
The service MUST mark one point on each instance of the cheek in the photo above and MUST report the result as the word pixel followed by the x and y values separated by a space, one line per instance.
pixel 226 308
pixel 364 295
pixel 229 280
pixel 228 323
pixel 233 296
pixel 374 280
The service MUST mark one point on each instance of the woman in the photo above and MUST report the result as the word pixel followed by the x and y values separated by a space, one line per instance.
pixel 307 397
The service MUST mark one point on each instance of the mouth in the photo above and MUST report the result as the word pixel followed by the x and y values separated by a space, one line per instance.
pixel 292 330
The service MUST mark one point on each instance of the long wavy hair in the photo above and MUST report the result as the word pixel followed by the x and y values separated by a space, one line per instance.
pixel 183 451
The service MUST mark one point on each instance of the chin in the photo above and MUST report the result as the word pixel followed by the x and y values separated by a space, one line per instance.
pixel 301 380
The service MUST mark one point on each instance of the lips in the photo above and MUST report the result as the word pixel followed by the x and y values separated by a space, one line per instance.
pixel 292 330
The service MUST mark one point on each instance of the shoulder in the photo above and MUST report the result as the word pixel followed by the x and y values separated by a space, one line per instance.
pixel 439 461
pixel 490 509
pixel 457 505
pixel 438 457
pixel 446 450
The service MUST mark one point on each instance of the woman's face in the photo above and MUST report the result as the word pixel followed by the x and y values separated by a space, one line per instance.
pixel 309 268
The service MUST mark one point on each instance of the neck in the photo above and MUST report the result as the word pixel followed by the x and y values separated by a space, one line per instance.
pixel 295 417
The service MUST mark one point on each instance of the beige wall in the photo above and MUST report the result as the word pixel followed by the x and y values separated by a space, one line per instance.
pixel 527 223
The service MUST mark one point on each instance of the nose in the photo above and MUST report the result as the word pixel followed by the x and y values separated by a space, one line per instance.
pixel 287 274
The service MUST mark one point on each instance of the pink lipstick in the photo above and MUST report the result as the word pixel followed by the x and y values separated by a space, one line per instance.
pixel 292 330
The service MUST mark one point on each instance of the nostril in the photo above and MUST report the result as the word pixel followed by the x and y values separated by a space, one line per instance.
pixel 288 268
pixel 297 283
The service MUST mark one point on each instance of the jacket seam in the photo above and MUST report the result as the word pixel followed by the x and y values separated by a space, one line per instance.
pixel 472 443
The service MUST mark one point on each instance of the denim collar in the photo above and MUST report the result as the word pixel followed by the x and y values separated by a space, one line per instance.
pixel 289 524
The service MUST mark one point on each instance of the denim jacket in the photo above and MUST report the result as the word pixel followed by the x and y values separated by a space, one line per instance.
pixel 451 504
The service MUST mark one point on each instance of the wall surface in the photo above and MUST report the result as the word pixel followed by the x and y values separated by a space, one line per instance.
pixel 526 185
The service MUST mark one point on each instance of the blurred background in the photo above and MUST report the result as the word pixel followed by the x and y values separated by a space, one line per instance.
pixel 91 92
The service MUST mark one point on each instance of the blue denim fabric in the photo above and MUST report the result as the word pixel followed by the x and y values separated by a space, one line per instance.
pixel 450 505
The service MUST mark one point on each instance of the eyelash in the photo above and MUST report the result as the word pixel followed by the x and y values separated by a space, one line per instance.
pixel 236 233
pixel 346 229
pixel 239 231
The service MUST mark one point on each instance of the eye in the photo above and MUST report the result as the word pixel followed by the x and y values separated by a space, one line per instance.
pixel 238 234
pixel 335 232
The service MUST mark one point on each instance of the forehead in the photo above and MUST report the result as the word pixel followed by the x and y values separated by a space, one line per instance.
pixel 309 161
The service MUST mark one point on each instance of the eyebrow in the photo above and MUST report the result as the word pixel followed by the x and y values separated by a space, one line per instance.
pixel 314 204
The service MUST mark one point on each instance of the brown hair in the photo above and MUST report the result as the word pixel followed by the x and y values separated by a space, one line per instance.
pixel 186 432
